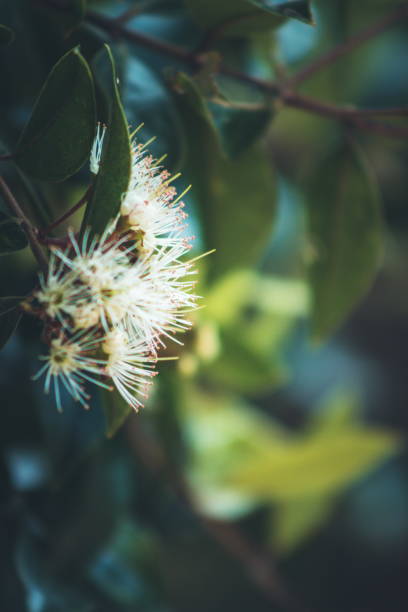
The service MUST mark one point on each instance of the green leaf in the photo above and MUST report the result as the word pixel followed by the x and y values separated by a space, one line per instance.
pixel 65 17
pixel 126 568
pixel 116 411
pixel 238 17
pixel 237 453
pixel 12 237
pixel 313 465
pixel 346 230
pixel 221 431
pixel 75 15
pixel 294 521
pixel 59 135
pixel 10 316
pixel 252 317
pixel 239 127
pixel 236 198
pixel 243 368
pixel 6 35
pixel 114 173
pixel 297 9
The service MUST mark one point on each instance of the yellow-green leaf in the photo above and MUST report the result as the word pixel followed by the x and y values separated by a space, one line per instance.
pixel 294 521
pixel 313 465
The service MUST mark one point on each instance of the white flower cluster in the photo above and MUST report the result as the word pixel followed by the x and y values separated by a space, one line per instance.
pixel 109 303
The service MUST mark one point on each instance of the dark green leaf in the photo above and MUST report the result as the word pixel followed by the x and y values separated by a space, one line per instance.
pixel 9 303
pixel 65 17
pixel 116 411
pixel 75 14
pixel 114 172
pixel 239 127
pixel 58 138
pixel 346 230
pixel 124 569
pixel 9 317
pixel 298 9
pixel 12 237
pixel 236 198
pixel 6 35
pixel 238 17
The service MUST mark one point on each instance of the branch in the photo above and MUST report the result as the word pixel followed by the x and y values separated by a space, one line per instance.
pixel 355 41
pixel 259 566
pixel 357 117
pixel 272 87
pixel 69 212
pixel 283 91
pixel 29 230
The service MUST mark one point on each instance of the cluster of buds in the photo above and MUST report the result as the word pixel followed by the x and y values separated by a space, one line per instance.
pixel 109 303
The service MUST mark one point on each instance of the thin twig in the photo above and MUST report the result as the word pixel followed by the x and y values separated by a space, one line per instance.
pixel 28 229
pixel 352 43
pixel 69 212
pixel 5 156
pixel 259 565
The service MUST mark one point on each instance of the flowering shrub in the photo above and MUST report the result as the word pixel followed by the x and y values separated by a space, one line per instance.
pixel 108 303
pixel 271 373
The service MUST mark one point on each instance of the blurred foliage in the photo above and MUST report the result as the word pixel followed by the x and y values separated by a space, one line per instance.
pixel 299 448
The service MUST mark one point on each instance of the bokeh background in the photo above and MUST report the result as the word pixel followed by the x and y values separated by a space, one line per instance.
pixel 268 470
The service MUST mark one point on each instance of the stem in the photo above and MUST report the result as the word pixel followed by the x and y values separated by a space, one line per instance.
pixel 259 566
pixel 29 230
pixel 355 41
pixel 5 156
pixel 69 212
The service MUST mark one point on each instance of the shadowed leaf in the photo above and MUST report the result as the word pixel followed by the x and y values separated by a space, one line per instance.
pixel 58 137
pixel 12 237
pixel 9 317
pixel 6 35
pixel 114 173
pixel 236 197
pixel 346 230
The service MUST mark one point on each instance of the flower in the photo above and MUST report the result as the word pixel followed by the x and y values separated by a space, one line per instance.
pixel 150 206
pixel 71 363
pixel 130 365
pixel 97 147
pixel 99 270
pixel 109 302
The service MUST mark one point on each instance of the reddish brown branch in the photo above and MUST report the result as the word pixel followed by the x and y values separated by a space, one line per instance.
pixel 357 117
pixel 25 223
pixel 69 212
pixel 352 43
